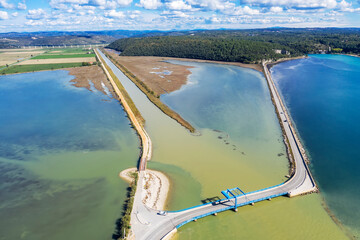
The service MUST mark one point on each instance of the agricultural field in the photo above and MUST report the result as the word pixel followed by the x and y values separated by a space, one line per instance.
pixel 37 67
pixel 63 55
pixel 12 56
pixel 58 60
pixel 69 51
pixel 50 56
pixel 30 60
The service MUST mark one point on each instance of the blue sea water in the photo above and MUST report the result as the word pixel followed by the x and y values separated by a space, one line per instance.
pixel 61 149
pixel 322 93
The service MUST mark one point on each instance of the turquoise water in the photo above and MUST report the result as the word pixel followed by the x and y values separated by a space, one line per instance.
pixel 323 95
pixel 61 149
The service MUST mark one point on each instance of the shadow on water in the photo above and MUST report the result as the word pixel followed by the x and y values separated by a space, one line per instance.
pixel 119 223
pixel 211 199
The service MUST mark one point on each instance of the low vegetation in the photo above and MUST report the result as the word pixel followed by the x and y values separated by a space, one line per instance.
pixel 126 95
pixel 51 56
pixel 123 224
pixel 69 50
pixel 151 95
pixel 37 67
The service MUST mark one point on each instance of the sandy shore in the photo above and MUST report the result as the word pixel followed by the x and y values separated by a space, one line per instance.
pixel 155 187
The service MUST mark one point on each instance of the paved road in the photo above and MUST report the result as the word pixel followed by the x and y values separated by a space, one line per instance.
pixel 145 139
pixel 147 224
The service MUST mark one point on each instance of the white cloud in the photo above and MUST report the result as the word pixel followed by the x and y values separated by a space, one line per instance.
pixel 3 15
pixel 69 1
pixel 124 2
pixel 215 5
pixel 295 3
pixel 178 5
pixel 133 14
pixel 15 14
pixel 111 5
pixel 247 11
pixel 276 9
pixel 150 4
pixel 83 7
pixel 345 6
pixel 114 14
pixel 21 6
pixel 36 14
pixel 34 23
pixel 174 14
pixel 5 4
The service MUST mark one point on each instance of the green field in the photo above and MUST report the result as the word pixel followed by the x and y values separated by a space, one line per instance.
pixel 37 67
pixel 69 50
pixel 50 56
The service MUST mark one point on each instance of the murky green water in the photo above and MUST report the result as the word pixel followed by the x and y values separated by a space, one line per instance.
pixel 61 149
pixel 245 151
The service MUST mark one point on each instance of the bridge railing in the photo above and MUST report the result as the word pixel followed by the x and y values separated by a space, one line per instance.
pixel 225 199
pixel 230 207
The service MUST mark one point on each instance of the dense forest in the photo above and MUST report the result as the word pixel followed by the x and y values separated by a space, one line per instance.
pixel 246 46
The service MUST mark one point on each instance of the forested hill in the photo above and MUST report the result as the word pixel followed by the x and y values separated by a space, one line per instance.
pixel 247 46
pixel 209 48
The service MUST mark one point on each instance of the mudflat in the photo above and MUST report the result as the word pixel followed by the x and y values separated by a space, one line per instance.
pixel 160 76
pixel 94 74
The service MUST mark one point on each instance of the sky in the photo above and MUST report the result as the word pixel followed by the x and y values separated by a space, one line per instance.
pixel 85 15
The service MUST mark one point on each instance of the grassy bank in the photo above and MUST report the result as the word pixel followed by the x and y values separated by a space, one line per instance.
pixel 151 95
pixel 123 223
pixel 37 67
pixel 125 94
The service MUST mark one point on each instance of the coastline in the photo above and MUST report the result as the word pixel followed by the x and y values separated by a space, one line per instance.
pixel 155 188
pixel 281 60
pixel 256 67
pixel 300 147
pixel 306 158
pixel 288 116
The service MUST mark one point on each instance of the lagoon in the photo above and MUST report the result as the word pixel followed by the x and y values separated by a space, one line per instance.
pixel 322 93
pixel 61 149
pixel 238 144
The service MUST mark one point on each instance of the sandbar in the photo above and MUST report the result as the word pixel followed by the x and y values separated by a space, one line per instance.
pixel 155 187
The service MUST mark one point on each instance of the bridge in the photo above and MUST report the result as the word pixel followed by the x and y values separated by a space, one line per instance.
pixel 149 224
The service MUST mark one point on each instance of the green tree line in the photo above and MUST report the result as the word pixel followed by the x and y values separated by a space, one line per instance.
pixel 246 46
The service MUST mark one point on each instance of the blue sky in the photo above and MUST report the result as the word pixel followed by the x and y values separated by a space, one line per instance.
pixel 84 15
